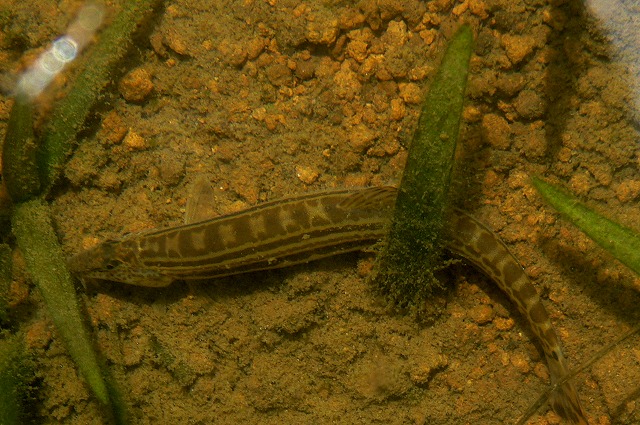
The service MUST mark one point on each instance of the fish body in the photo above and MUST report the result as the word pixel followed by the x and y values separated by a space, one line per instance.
pixel 308 227
pixel 472 240
pixel 270 235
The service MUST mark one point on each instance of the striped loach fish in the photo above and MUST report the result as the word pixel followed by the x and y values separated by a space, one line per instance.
pixel 307 227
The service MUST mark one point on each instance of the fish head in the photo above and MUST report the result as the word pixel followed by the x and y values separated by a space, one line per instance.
pixel 115 261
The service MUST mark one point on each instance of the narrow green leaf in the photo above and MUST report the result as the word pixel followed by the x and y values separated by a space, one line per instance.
pixel 71 112
pixel 6 261
pixel 19 168
pixel 621 242
pixel 405 268
pixel 11 379
pixel 45 263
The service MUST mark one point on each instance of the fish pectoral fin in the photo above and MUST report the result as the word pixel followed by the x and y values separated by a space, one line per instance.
pixel 200 202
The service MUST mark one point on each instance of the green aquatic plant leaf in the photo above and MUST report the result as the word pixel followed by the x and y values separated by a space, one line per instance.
pixel 405 267
pixel 71 112
pixel 19 167
pixel 620 241
pixel 31 167
pixel 45 263
pixel 5 280
pixel 43 257
pixel 13 372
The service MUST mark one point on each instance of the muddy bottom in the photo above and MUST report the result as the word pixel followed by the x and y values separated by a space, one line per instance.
pixel 266 99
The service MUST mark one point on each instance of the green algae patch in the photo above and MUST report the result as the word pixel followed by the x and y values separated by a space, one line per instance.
pixel 5 281
pixel 405 268
pixel 621 242
pixel 44 260
pixel 13 378
pixel 71 112
pixel 30 168
pixel 19 168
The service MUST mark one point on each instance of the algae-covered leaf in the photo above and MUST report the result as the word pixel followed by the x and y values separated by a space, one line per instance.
pixel 412 250
pixel 19 168
pixel 71 112
pixel 45 263
pixel 621 242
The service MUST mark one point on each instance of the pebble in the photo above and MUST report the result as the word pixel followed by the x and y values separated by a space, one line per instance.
pixel 529 104
pixel 410 93
pixel 517 47
pixel 279 75
pixel 134 141
pixel 628 190
pixel 580 183
pixel 534 140
pixel 356 180
pixel 396 34
pixel 384 148
pixel 307 175
pixel 541 371
pixel 496 131
pixel 346 82
pixel 398 110
pixel 255 47
pixel 504 324
pixel 246 187
pixel 136 85
pixel 424 371
pixel 362 138
pixel 471 114
pixel 428 36
pixel 491 179
pixel 305 69
pixel 519 361
pixel 481 314
pixel 357 49
pixel 235 54
pixel 112 129
pixel 176 43
pixel 38 335
pixel 322 31
pixel 565 154
pixel 351 18
pixel 478 8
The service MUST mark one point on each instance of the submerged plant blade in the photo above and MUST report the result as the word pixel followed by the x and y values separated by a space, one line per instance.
pixel 45 263
pixel 30 170
pixel 12 385
pixel 405 268
pixel 6 263
pixel 19 168
pixel 621 242
pixel 71 112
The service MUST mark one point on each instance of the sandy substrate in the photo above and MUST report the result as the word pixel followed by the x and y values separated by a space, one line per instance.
pixel 271 98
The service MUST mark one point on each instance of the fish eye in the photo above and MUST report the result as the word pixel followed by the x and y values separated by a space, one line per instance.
pixel 112 264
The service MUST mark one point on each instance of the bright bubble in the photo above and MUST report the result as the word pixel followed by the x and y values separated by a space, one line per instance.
pixel 64 50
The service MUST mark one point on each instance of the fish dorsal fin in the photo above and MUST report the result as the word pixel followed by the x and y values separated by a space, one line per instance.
pixel 201 202
pixel 373 198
